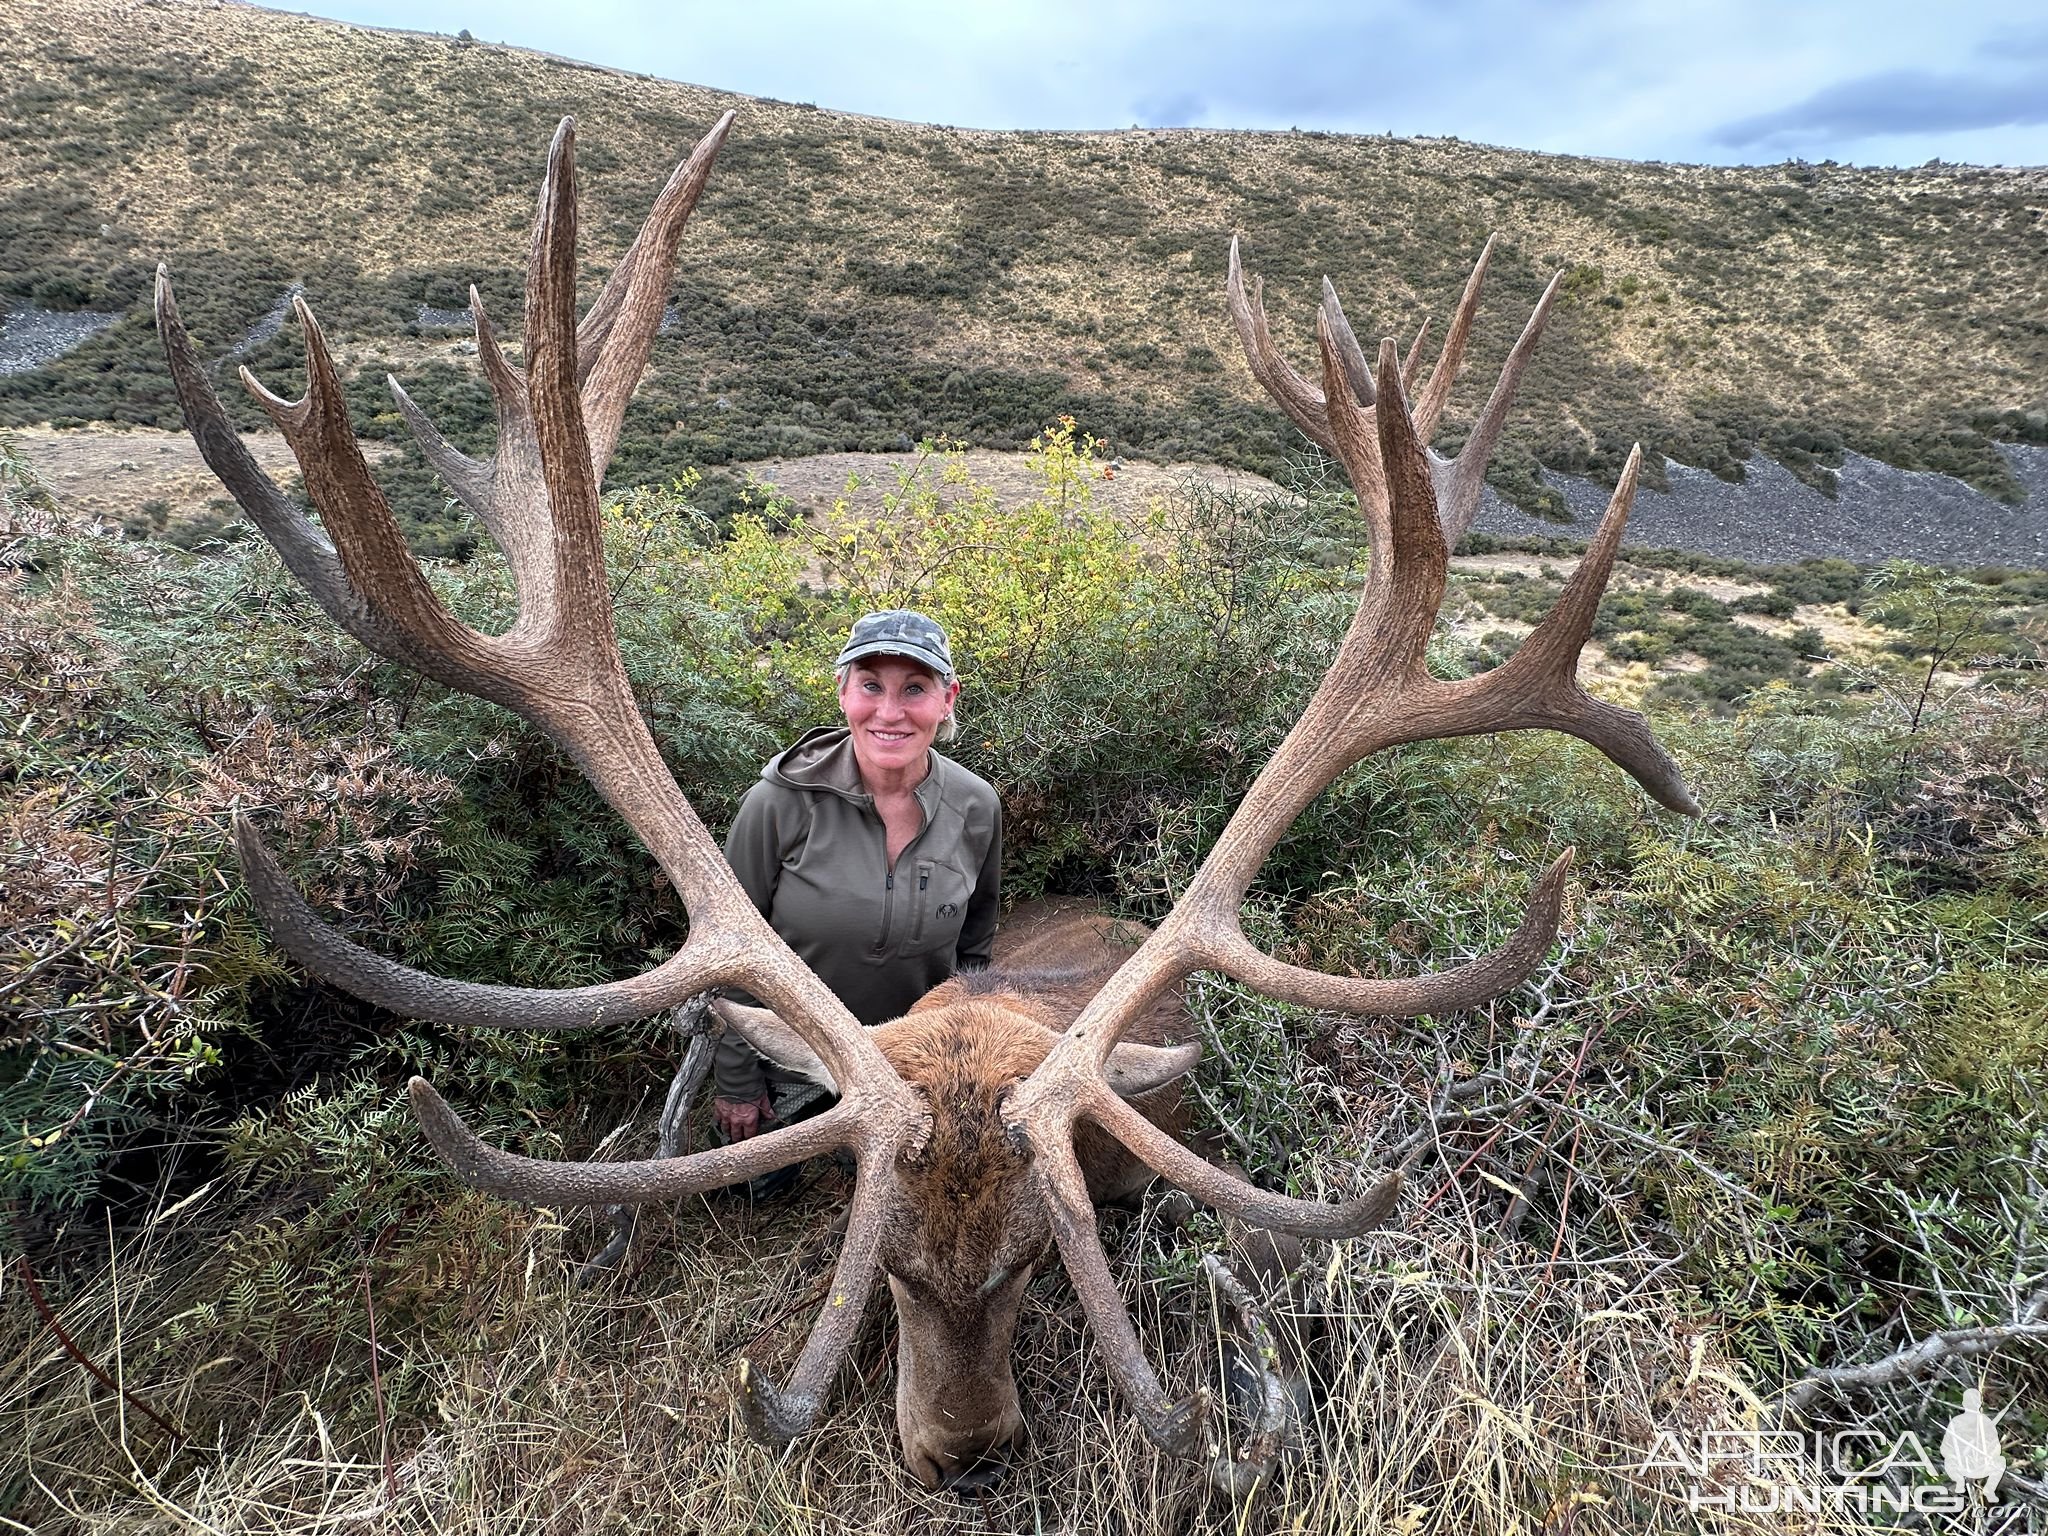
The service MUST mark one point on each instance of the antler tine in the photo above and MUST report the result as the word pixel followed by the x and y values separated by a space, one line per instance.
pixel 1538 687
pixel 1430 408
pixel 1357 372
pixel 1179 1429
pixel 468 478
pixel 341 962
pixel 1405 997
pixel 1233 1196
pixel 1410 561
pixel 775 1417
pixel 373 552
pixel 507 489
pixel 1411 367
pixel 617 335
pixel 306 552
pixel 482 484
pixel 583 598
pixel 540 1181
pixel 1301 400
pixel 1356 446
pixel 1460 482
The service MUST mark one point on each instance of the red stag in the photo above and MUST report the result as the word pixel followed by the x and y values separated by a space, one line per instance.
pixel 987 1121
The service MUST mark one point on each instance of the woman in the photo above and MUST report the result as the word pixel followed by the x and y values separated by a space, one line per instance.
pixel 876 859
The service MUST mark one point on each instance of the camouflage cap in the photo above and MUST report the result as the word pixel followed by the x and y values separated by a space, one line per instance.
pixel 899 632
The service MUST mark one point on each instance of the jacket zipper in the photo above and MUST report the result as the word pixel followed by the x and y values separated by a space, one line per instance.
pixel 924 881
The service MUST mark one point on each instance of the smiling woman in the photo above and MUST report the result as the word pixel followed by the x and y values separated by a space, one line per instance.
pixel 876 858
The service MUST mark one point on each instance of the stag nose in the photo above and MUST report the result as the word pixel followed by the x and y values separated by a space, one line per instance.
pixel 977 1472
pixel 976 1476
pixel 967 1462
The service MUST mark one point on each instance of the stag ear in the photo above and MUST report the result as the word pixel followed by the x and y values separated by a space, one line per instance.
pixel 1133 1069
pixel 765 1032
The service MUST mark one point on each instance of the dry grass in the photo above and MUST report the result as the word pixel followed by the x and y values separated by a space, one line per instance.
pixel 1474 1384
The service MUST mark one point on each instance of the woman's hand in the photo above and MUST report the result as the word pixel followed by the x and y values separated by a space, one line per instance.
pixel 740 1119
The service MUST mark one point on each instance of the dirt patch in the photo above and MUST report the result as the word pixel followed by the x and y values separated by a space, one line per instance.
pixel 1561 567
pixel 114 476
pixel 111 476
pixel 1844 634
pixel 1511 564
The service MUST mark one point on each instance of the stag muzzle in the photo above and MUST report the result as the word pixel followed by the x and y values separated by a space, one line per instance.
pixel 957 1413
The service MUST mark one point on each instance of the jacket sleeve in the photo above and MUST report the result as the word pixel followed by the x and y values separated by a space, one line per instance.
pixel 753 847
pixel 978 930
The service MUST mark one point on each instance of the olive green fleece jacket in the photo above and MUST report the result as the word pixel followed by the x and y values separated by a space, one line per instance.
pixel 810 849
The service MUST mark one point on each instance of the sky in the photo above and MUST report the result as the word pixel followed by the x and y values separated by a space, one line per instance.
pixel 1866 82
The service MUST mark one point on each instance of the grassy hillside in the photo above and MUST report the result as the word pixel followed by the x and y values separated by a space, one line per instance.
pixel 853 283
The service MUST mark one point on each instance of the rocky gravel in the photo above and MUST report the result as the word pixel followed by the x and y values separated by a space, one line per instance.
pixel 1879 513
pixel 31 336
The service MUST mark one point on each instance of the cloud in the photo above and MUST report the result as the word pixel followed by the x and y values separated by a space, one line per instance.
pixel 1735 80
pixel 1899 101
pixel 2015 43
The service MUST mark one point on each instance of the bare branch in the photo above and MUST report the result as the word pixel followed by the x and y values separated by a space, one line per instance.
pixel 1914 1360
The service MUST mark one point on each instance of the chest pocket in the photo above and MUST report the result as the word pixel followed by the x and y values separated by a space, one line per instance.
pixel 940 894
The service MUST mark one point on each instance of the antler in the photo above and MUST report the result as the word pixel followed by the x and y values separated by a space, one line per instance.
pixel 558 666
pixel 1378 693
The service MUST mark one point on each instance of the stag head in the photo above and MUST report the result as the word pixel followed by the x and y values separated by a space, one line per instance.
pixel 970 1119
pixel 967 1224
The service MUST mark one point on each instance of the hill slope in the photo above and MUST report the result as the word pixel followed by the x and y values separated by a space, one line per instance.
pixel 850 283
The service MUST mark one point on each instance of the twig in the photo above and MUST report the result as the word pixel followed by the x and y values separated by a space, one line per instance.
pixel 1699 1164
pixel 1913 1360
pixel 1518 1207
pixel 1239 1475
pixel 696 1024
pixel 701 1028
pixel 1564 1205
pixel 1452 1182
pixel 42 1306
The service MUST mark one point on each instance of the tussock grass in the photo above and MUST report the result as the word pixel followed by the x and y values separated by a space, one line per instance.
pixel 1465 1382
pixel 978 284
